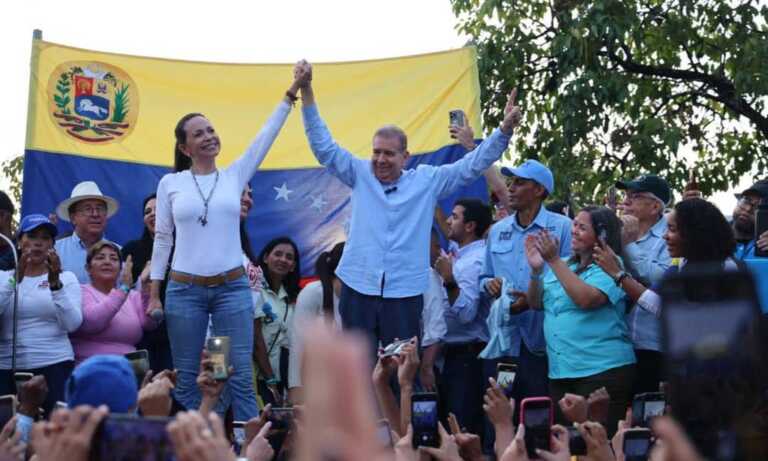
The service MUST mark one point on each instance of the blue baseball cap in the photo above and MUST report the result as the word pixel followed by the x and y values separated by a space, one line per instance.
pixel 31 222
pixel 535 170
pixel 103 380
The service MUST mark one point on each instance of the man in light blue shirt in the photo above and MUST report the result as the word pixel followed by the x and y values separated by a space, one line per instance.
pixel 529 185
pixel 88 210
pixel 461 382
pixel 385 262
pixel 646 251
pixel 743 221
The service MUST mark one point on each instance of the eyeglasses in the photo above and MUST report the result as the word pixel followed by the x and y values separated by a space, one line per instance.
pixel 93 210
pixel 747 202
pixel 632 196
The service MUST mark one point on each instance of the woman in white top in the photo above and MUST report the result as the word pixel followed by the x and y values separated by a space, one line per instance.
pixel 201 203
pixel 273 317
pixel 48 310
pixel 317 299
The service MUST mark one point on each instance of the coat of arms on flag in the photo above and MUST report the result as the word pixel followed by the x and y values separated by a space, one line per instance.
pixel 93 102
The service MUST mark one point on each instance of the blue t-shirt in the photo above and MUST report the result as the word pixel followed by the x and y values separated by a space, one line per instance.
pixel 584 342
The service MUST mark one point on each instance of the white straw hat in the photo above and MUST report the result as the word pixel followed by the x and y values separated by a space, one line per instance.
pixel 84 191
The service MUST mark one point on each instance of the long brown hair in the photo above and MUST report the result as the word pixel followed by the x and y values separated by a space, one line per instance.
pixel 182 161
pixel 325 268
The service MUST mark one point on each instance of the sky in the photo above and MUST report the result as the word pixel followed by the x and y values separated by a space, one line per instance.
pixel 225 31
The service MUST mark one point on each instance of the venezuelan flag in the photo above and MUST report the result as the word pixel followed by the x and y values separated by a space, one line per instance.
pixel 109 118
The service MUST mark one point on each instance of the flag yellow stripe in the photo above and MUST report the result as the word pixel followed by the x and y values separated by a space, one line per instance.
pixel 414 92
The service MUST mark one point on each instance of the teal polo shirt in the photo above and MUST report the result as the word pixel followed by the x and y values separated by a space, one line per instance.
pixel 585 342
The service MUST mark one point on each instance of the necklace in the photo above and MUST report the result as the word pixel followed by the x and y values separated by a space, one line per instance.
pixel 203 218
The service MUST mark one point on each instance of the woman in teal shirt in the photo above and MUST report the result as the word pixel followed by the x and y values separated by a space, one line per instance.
pixel 588 344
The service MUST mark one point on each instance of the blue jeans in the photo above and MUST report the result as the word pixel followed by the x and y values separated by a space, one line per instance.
pixel 230 307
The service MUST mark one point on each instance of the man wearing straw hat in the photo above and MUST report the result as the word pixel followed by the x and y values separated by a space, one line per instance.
pixel 88 210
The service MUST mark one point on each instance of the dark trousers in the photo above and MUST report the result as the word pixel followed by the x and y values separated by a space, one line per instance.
pixel 462 386
pixel 56 376
pixel 649 371
pixel 267 397
pixel 380 319
pixel 617 381
pixel 158 347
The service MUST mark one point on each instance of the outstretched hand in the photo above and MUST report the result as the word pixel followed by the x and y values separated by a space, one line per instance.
pixel 302 74
pixel 512 114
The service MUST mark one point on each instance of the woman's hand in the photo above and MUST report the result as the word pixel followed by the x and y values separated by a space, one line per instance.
pixel 535 260
pixel 154 297
pixel 54 268
pixel 126 278
pixel 302 75
pixel 548 246
pixel 144 276
pixel 408 363
pixel 604 257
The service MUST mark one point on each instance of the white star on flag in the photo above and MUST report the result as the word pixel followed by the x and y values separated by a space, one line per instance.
pixel 318 202
pixel 282 192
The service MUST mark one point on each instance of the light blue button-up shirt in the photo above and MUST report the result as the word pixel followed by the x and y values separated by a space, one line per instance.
pixel 650 259
pixel 432 316
pixel 505 258
pixel 72 252
pixel 465 318
pixel 387 250
pixel 584 342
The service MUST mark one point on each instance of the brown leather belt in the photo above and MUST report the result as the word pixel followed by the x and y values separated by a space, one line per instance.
pixel 210 280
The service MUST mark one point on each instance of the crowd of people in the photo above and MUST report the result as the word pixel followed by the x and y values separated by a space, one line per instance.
pixel 571 302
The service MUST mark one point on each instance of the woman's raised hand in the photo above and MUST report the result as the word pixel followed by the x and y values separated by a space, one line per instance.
pixel 126 278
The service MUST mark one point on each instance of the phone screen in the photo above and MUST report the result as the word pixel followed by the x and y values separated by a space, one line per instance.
pixel 537 417
pixel 637 447
pixel 715 341
pixel 506 380
pixel 218 350
pixel 126 437
pixel 424 421
pixel 7 409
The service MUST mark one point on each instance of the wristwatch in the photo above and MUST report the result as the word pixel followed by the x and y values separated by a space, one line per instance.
pixel 620 277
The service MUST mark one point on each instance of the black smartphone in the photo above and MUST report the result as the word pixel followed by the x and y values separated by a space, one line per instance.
pixel 7 409
pixel 424 420
pixel 120 437
pixel 505 377
pixel 646 406
pixel 218 350
pixel 637 444
pixel 715 344
pixel 140 363
pixel 384 433
pixel 20 378
pixel 576 443
pixel 536 414
pixel 281 417
pixel 456 117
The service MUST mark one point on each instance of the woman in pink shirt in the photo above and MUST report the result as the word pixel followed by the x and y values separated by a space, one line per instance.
pixel 114 314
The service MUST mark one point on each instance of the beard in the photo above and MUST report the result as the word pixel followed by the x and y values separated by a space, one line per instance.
pixel 742 227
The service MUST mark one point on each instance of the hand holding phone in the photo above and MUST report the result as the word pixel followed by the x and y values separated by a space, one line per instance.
pixel 140 364
pixel 218 351
pixel 537 415
pixel 456 117
pixel 505 377
pixel 7 409
pixel 637 444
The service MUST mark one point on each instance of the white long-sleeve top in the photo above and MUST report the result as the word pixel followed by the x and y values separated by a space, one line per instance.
pixel 215 247
pixel 45 319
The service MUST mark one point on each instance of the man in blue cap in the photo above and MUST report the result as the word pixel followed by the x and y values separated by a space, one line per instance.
pixel 506 265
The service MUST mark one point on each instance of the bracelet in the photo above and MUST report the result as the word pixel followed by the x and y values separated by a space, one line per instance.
pixel 292 97
pixel 272 381
pixel 620 278
pixel 536 277
pixel 124 288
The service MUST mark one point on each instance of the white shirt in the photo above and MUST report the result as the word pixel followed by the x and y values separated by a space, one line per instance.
pixel 214 248
pixel 309 306
pixel 276 316
pixel 45 318
pixel 432 315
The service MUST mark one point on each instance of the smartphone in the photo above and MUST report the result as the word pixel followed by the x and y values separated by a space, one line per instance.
pixel 637 444
pixel 218 350
pixel 7 408
pixel 394 349
pixel 761 226
pixel 537 415
pixel 714 338
pixel 238 428
pixel 20 378
pixel 646 406
pixel 576 443
pixel 384 433
pixel 140 363
pixel 424 420
pixel 120 437
pixel 456 117
pixel 505 377
pixel 612 201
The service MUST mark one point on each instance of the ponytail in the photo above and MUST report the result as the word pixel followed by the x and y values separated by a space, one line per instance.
pixel 325 267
